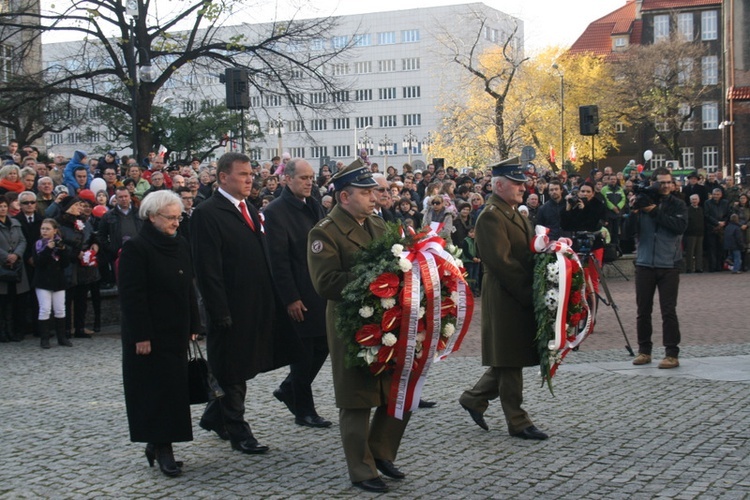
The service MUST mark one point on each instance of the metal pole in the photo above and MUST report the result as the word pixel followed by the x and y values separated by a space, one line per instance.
pixel 562 120
pixel 134 91
pixel 242 132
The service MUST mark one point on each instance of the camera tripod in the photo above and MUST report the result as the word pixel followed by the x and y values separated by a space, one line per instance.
pixel 586 257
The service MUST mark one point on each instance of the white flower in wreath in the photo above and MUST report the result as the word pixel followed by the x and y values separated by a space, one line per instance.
pixel 454 297
pixel 389 339
pixel 420 337
pixel 448 330
pixel 404 265
pixel 553 272
pixel 370 354
pixel 551 299
pixel 388 302
pixel 421 313
pixel 397 249
pixel 366 311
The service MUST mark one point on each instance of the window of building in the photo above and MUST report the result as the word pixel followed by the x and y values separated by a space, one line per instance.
pixel 340 69
pixel 709 25
pixel 342 151
pixel 273 101
pixel 685 111
pixel 257 154
pixel 296 126
pixel 386 65
pixel 412 92
pixel 710 70
pixel 387 93
pixel 410 64
pixel 409 36
pixel 711 157
pixel 710 115
pixel 297 73
pixel 318 151
pixel 661 27
pixel 271 152
pixel 55 138
pixel 387 121
pixel 318 98
pixel 684 71
pixel 620 43
pixel 688 157
pixel 685 26
pixel 658 160
pixel 363 121
pixel 363 40
pixel 340 123
pixel 318 124
pixel 318 44
pixel 412 120
pixel 340 96
pixel 255 101
pixel 297 99
pixel 619 128
pixel 661 126
pixel 339 42
pixel 386 38
pixel 363 67
pixel 363 95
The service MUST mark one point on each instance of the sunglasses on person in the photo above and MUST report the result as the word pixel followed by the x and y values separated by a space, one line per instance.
pixel 28 203
pixel 437 202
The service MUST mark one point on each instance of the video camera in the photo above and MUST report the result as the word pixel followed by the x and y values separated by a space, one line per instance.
pixel 645 194
pixel 583 241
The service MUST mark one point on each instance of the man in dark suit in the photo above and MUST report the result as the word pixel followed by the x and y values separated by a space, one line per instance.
pixel 30 221
pixel 332 245
pixel 503 237
pixel 288 220
pixel 246 333
pixel 384 202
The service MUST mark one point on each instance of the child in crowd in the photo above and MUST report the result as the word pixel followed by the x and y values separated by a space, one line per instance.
pixel 472 262
pixel 51 257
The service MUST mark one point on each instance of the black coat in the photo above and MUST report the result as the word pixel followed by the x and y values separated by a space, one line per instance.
pixel 49 267
pixel 158 304
pixel 235 281
pixel 74 239
pixel 288 221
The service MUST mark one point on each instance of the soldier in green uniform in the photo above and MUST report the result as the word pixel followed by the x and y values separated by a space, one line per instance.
pixel 369 446
pixel 503 238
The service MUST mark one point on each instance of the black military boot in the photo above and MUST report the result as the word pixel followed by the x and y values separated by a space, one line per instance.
pixel 44 333
pixel 62 339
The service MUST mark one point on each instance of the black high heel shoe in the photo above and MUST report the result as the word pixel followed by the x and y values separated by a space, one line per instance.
pixel 151 455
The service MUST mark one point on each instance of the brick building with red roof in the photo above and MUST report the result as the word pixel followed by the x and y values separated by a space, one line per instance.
pixel 720 133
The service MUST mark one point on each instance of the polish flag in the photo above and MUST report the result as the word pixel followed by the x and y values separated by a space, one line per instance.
pixel 552 155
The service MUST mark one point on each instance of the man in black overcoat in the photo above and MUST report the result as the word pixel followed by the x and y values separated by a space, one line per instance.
pixel 247 332
pixel 288 220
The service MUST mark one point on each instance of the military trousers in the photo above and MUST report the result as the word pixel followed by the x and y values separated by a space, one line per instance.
pixel 505 383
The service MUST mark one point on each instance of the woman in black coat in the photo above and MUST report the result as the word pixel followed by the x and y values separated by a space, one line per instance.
pixel 159 316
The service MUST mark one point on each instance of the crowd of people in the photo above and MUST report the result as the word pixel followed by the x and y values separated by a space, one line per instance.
pixel 250 252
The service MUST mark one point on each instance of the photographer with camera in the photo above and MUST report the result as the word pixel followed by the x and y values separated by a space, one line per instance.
pixel 658 219
pixel 582 222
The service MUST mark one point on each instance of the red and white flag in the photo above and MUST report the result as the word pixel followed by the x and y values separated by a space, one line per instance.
pixel 552 155
pixel 572 154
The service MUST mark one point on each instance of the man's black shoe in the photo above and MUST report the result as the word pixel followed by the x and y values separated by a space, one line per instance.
pixel 390 470
pixel 531 432
pixel 376 484
pixel 477 417
pixel 221 431
pixel 426 404
pixel 249 446
pixel 315 421
pixel 283 398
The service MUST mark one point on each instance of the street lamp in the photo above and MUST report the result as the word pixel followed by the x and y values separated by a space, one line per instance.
pixel 409 139
pixel 139 69
pixel 384 147
pixel 562 113
pixel 723 127
pixel 357 147
pixel 365 142
pixel 427 141
pixel 276 127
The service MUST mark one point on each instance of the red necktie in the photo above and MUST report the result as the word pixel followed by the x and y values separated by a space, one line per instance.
pixel 246 215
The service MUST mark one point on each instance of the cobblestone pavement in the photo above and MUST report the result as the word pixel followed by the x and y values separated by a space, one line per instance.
pixel 63 431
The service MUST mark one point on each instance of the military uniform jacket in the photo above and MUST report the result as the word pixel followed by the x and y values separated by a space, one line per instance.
pixel 503 237
pixel 332 244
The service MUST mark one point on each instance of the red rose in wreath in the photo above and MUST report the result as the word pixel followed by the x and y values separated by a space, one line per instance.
pixel 385 285
pixel 369 335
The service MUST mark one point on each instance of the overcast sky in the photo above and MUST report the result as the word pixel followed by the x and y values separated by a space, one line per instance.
pixel 547 22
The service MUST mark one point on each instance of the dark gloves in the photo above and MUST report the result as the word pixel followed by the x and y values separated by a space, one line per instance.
pixel 224 323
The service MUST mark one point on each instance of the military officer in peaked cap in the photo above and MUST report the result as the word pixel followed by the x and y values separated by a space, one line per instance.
pixel 369 446
pixel 503 237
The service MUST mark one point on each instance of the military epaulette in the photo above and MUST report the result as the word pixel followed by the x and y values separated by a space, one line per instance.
pixel 324 223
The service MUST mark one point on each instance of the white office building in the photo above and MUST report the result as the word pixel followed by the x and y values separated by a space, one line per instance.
pixel 396 78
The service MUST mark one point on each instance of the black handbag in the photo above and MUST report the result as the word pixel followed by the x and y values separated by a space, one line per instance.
pixel 203 385
pixel 11 274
